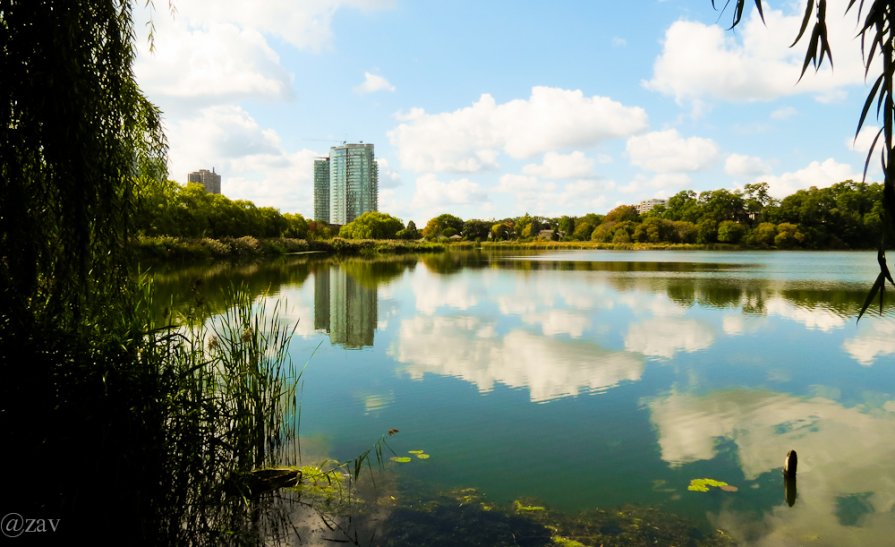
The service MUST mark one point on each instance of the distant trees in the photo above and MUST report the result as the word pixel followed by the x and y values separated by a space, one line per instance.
pixel 164 207
pixel 410 232
pixel 444 225
pixel 846 215
pixel 372 225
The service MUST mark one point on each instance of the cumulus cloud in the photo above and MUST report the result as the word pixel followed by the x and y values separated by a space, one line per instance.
pixel 433 195
pixel 862 142
pixel 875 341
pixel 561 166
pixel 555 198
pixel 701 61
pixel 812 318
pixel 471 349
pixel 847 450
pixel 658 185
pixel 304 25
pixel 388 176
pixel 784 113
pixel 250 158
pixel 739 165
pixel 220 51
pixel 665 336
pixel 215 63
pixel 817 173
pixel 434 293
pixel 667 151
pixel 373 83
pixel 473 138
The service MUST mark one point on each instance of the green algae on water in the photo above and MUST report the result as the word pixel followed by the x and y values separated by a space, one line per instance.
pixel 703 485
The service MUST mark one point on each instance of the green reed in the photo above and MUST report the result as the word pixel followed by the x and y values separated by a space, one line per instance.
pixel 228 395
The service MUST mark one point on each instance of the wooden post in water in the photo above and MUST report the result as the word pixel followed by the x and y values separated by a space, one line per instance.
pixel 790 465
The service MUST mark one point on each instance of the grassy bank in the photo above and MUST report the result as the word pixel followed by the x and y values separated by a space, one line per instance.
pixel 594 245
pixel 186 249
pixel 247 247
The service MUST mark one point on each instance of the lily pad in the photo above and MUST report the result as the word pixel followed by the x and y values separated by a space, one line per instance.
pixel 401 459
pixel 423 456
pixel 703 485
pixel 416 451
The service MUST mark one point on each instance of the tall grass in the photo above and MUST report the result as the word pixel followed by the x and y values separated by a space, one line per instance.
pixel 230 406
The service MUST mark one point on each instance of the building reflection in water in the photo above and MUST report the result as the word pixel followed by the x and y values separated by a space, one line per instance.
pixel 344 308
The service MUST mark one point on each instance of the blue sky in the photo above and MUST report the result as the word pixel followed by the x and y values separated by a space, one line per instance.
pixel 489 109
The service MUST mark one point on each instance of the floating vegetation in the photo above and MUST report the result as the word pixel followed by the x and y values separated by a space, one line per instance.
pixel 704 485
pixel 521 507
pixel 462 516
pixel 420 454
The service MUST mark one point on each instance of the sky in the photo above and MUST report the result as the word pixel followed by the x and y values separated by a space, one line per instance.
pixel 495 108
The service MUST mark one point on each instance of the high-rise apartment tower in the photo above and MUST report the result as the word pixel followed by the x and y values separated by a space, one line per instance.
pixel 209 179
pixel 352 187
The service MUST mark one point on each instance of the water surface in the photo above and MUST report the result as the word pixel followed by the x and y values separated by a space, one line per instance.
pixel 599 378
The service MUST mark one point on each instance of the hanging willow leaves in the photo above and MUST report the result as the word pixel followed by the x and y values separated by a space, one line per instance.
pixel 877 33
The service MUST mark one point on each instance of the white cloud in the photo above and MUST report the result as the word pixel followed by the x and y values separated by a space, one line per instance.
pixel 784 113
pixel 438 292
pixel 665 336
pixel 216 62
pixel 373 83
pixel 739 165
pixel 250 159
pixel 551 198
pixel 219 51
pixel 388 177
pixel 472 138
pixel 864 139
pixel 432 194
pixel 817 173
pixel 701 61
pixel 812 318
pixel 666 151
pixel 656 186
pixel 471 349
pixel 876 339
pixel 561 166
pixel 844 452
pixel 304 25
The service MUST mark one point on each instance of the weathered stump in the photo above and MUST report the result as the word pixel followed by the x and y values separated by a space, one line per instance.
pixel 790 464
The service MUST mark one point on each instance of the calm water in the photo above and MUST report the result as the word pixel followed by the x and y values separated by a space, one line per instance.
pixel 597 378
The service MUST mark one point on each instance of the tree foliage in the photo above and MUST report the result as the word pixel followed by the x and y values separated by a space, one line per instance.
pixel 77 138
pixel 444 225
pixel 877 32
pixel 76 133
pixel 372 225
pixel 167 208
pixel 846 215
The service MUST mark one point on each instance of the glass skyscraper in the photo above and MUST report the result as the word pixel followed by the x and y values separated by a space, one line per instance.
pixel 352 187
pixel 321 190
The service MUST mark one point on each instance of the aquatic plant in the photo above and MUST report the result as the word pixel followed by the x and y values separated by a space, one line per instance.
pixel 703 485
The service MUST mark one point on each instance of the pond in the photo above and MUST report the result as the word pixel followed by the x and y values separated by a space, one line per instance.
pixel 603 379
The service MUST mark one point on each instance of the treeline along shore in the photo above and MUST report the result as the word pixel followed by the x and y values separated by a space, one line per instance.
pixel 181 222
